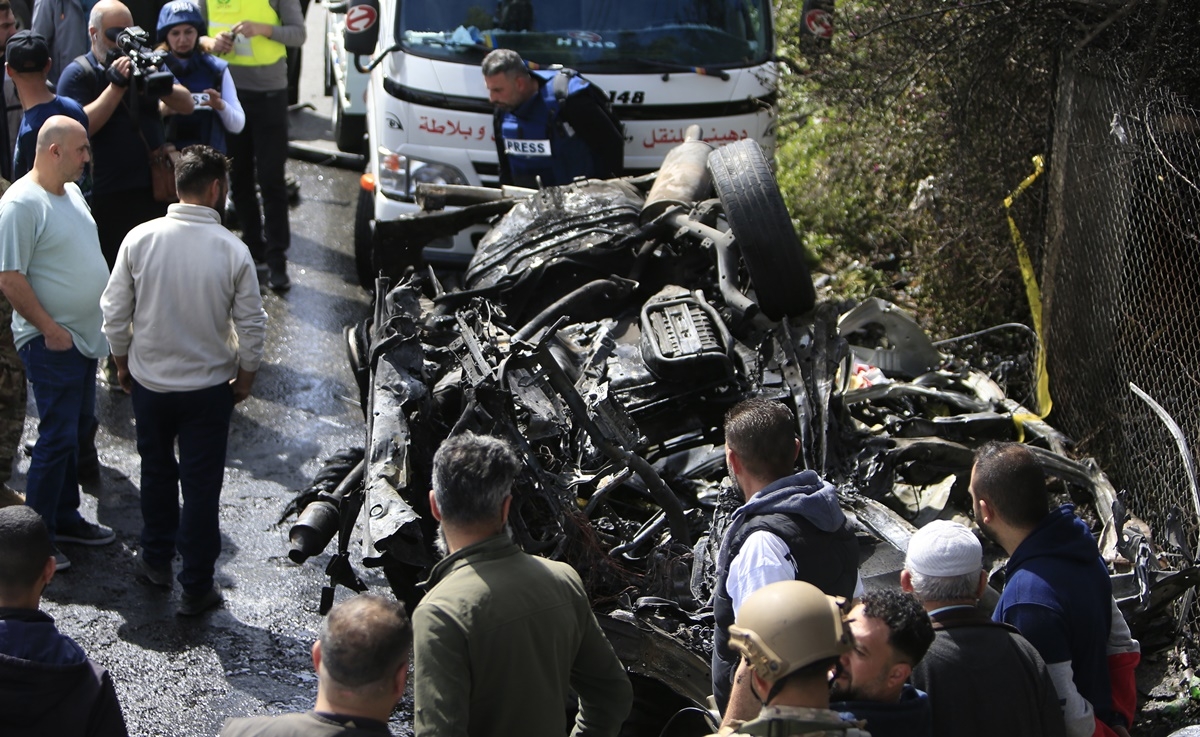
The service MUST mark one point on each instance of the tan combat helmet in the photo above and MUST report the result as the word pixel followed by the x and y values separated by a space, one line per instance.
pixel 787 625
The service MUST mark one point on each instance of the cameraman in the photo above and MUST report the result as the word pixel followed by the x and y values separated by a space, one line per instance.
pixel 124 125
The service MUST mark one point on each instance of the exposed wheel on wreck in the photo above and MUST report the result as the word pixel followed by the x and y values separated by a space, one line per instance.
pixel 760 221
pixel 362 240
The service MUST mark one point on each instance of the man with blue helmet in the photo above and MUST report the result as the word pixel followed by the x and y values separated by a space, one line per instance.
pixel 180 26
pixel 550 127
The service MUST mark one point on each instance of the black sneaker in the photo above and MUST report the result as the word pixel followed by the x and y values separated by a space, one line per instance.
pixel 85 533
pixel 61 562
pixel 278 280
pixel 193 605
pixel 155 576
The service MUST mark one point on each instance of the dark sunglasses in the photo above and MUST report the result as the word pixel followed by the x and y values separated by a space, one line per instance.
pixel 4 7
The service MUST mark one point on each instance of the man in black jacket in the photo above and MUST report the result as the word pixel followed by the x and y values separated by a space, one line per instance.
pixel 47 684
pixel 972 657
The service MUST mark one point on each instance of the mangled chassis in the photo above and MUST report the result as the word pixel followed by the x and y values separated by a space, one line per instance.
pixel 604 338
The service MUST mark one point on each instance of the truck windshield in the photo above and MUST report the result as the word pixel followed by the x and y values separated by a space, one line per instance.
pixel 608 35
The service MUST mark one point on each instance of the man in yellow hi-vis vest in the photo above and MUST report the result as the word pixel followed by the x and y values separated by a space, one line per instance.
pixel 252 35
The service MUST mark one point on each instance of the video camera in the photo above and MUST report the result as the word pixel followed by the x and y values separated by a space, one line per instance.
pixel 150 75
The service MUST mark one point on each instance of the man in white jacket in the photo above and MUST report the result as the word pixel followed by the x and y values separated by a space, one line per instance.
pixel 185 322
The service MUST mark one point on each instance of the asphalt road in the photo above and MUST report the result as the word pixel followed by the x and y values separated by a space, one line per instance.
pixel 179 676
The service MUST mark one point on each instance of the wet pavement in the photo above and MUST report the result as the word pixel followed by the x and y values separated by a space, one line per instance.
pixel 179 676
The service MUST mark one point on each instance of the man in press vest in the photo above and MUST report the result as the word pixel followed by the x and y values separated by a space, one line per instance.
pixel 550 126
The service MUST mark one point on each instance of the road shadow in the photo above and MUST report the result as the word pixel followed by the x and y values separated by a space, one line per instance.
pixel 309 125
pixel 309 304
pixel 268 454
pixel 301 389
pixel 326 257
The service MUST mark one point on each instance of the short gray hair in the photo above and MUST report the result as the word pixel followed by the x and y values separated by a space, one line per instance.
pixel 945 588
pixel 472 474
pixel 503 61
pixel 364 640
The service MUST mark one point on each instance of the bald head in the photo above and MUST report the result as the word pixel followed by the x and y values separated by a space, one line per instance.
pixel 106 16
pixel 107 13
pixel 62 152
pixel 56 130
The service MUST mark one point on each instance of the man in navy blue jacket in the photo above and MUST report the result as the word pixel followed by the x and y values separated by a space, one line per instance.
pixel 47 684
pixel 1058 593
pixel 892 633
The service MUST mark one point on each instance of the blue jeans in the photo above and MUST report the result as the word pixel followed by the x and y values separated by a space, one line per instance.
pixel 200 421
pixel 64 389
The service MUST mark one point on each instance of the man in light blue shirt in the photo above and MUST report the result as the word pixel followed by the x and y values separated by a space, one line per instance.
pixel 53 273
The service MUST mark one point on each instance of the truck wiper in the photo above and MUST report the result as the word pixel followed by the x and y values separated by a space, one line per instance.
pixel 451 43
pixel 459 38
pixel 667 68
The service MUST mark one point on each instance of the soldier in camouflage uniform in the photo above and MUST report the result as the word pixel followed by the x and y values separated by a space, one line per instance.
pixel 791 636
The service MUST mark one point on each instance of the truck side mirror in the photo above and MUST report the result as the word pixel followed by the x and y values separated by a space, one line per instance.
pixel 362 27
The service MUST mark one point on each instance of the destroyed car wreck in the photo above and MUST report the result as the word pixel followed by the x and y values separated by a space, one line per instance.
pixel 604 328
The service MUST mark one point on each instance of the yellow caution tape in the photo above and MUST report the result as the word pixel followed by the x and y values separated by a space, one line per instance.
pixel 1019 419
pixel 1032 292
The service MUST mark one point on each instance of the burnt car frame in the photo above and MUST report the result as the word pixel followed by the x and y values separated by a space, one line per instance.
pixel 603 328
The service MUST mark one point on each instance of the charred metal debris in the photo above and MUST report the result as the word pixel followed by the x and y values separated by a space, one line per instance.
pixel 604 331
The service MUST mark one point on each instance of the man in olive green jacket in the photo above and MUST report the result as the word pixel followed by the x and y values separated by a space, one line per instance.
pixel 502 637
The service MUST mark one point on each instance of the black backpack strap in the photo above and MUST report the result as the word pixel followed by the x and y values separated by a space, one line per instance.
pixel 562 90
pixel 96 77
pixel 562 84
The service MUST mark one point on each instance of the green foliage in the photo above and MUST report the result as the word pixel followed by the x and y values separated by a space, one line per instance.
pixel 921 90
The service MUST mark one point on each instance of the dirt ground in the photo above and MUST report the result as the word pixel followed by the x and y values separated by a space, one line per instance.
pixel 1168 694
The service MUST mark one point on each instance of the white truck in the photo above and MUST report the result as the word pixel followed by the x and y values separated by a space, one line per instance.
pixel 665 64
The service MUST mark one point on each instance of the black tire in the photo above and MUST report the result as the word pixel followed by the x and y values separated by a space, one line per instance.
pixel 763 228
pixel 363 246
pixel 348 130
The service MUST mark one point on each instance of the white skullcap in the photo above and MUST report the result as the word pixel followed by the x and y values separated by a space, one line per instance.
pixel 944 549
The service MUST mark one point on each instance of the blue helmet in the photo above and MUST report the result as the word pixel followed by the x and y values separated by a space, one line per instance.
pixel 180 11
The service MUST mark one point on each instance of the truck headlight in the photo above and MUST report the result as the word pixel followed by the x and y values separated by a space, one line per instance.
pixel 400 174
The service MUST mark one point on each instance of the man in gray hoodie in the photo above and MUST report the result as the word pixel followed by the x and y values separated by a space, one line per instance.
pixel 790 528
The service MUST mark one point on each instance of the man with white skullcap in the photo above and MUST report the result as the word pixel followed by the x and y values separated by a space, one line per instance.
pixel 983 678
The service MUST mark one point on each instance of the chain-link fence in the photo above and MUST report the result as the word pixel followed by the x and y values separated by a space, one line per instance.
pixel 1121 282
pixel 907 136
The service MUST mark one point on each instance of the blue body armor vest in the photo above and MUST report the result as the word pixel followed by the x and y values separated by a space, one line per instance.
pixel 537 144
pixel 198 73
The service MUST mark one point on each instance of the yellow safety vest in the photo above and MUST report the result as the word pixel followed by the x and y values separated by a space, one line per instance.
pixel 259 51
